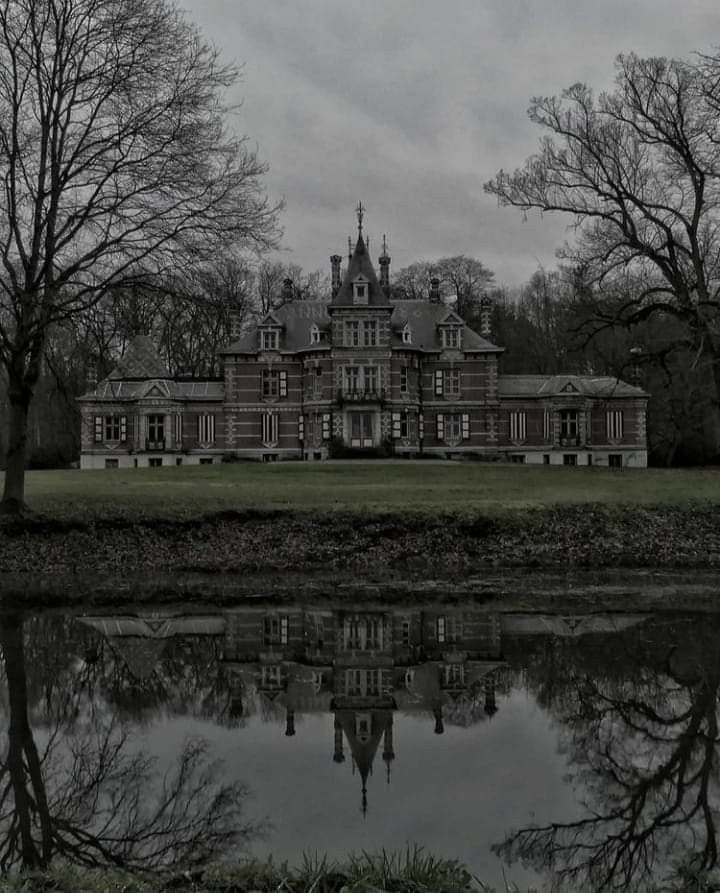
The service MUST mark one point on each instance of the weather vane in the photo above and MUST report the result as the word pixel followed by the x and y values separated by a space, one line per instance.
pixel 360 212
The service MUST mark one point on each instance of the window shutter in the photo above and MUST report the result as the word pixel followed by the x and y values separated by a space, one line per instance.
pixel 199 428
pixel 178 428
pixel 466 426
pixel 396 425
pixel 421 426
pixel 440 427
pixel 98 429
pixel 283 383
pixel 438 382
pixel 326 426
pixel 123 427
pixel 301 427
pixel 212 428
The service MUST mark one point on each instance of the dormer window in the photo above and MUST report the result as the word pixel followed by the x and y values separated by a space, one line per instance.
pixel 361 290
pixel 406 334
pixel 269 339
pixel 314 334
pixel 451 337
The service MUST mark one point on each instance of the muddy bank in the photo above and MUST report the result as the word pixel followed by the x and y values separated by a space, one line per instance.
pixel 408 546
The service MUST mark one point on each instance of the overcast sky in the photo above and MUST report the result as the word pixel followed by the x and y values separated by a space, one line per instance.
pixel 411 105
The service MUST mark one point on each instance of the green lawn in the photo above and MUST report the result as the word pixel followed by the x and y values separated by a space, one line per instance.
pixel 367 486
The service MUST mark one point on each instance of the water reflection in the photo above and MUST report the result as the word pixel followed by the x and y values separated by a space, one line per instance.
pixel 629 700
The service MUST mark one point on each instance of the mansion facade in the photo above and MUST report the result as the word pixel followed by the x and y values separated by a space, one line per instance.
pixel 360 374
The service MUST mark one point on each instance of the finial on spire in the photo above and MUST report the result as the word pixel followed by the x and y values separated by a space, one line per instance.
pixel 384 245
pixel 360 212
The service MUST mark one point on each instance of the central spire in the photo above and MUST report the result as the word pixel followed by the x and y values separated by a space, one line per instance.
pixel 360 213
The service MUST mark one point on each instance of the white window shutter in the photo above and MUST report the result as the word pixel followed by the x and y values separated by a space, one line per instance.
pixel 123 427
pixel 98 429
pixel 421 426
pixel 283 383
pixel 396 425
pixel 440 426
pixel 466 426
pixel 301 427
pixel 438 382
pixel 326 426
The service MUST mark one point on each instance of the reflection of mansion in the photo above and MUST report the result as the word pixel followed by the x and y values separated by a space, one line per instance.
pixel 361 372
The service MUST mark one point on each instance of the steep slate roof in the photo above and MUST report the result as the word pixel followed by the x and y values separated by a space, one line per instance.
pixel 423 318
pixel 360 265
pixel 140 360
pixel 554 385
pixel 296 320
pixel 121 391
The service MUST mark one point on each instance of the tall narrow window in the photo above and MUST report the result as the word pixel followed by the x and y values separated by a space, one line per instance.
pixel 206 428
pixel 269 340
pixel 547 425
pixel 269 428
pixel 352 379
pixel 569 423
pixel 370 333
pixel 614 424
pixel 451 337
pixel 452 382
pixel 156 431
pixel 371 379
pixel 518 426
pixel 270 383
pixel 404 380
pixel 352 333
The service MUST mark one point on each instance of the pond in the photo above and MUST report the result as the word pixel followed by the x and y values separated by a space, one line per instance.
pixel 532 746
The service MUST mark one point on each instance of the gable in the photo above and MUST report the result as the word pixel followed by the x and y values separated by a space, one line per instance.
pixel 451 319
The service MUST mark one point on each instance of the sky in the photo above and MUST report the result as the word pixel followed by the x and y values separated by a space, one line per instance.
pixel 411 106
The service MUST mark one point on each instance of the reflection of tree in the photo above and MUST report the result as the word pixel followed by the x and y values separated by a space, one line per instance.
pixel 644 747
pixel 88 796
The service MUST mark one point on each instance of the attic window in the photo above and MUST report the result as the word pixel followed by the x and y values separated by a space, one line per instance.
pixel 407 335
pixel 360 291
pixel 314 334
pixel 269 339
pixel 451 337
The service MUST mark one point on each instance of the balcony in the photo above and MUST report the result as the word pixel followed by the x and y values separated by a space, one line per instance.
pixel 360 395
pixel 570 440
pixel 154 445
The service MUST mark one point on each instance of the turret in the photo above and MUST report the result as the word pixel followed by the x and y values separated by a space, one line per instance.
pixel 290 722
pixel 388 751
pixel 338 756
pixel 335 262
pixel 439 727
pixel 384 261
pixel 435 290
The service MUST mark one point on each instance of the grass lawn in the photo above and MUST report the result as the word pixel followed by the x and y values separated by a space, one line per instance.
pixel 362 486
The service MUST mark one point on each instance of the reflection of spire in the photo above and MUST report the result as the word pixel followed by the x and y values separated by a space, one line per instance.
pixel 339 756
pixel 437 713
pixel 364 729
pixel 290 722
pixel 360 213
pixel 490 705
pixel 388 751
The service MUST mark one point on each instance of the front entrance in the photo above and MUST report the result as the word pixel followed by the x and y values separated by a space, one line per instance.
pixel 361 429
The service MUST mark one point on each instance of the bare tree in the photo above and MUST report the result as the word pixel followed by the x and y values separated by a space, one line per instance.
pixel 636 170
pixel 462 279
pixel 115 161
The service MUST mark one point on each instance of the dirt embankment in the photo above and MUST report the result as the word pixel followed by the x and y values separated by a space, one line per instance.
pixel 554 539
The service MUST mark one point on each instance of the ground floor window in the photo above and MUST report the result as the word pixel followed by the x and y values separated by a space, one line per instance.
pixel 570 459
pixel 270 427
pixel 546 458
pixel 206 428
pixel 156 431
pixel 206 460
pixel 155 461
pixel 178 460
pixel 110 428
pixel 518 458
pixel 518 425
pixel 615 460
pixel 112 463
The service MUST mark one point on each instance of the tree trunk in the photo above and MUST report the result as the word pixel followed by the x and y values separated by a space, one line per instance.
pixel 13 499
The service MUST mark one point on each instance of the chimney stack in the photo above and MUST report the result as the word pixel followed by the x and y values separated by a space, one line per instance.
pixel 435 290
pixel 335 262
pixel 288 291
pixel 486 306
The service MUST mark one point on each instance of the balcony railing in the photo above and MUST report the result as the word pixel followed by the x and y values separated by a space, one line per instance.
pixel 154 445
pixel 361 394
pixel 570 440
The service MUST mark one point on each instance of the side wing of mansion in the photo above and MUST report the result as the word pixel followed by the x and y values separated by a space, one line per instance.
pixel 361 372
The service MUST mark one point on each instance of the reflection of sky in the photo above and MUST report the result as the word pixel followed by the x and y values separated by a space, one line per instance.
pixel 453 794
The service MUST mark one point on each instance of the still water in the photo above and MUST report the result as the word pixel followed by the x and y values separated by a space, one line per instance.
pixel 531 746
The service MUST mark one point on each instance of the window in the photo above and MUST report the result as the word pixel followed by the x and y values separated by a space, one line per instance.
pixel 275 629
pixel 453 675
pixel 615 460
pixel 362 683
pixel 361 429
pixel 352 379
pixel 452 382
pixel 206 428
pixel 156 430
pixel 569 423
pixel 404 380
pixel 271 677
pixel 546 458
pixel 178 460
pixel 370 333
pixel 274 383
pixel 440 629
pixel 518 458
pixel 518 425
pixel 547 425
pixel 569 459
pixel 451 337
pixel 590 459
pixel 269 428
pixel 405 632
pixel 360 292
pixel 371 379
pixel 448 629
pixel 110 428
pixel 112 463
pixel 269 339
pixel 352 334
pixel 314 334
pixel 406 334
pixel 206 460
pixel 614 424
pixel 453 427
pixel 362 632
pixel 155 461
pixel 404 424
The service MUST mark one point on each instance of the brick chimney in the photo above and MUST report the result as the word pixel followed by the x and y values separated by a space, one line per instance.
pixel 435 290
pixel 335 261
pixel 486 307
pixel 288 291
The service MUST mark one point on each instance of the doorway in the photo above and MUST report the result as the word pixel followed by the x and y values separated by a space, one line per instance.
pixel 361 429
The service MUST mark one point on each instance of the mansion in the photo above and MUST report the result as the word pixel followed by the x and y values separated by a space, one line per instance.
pixel 360 374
